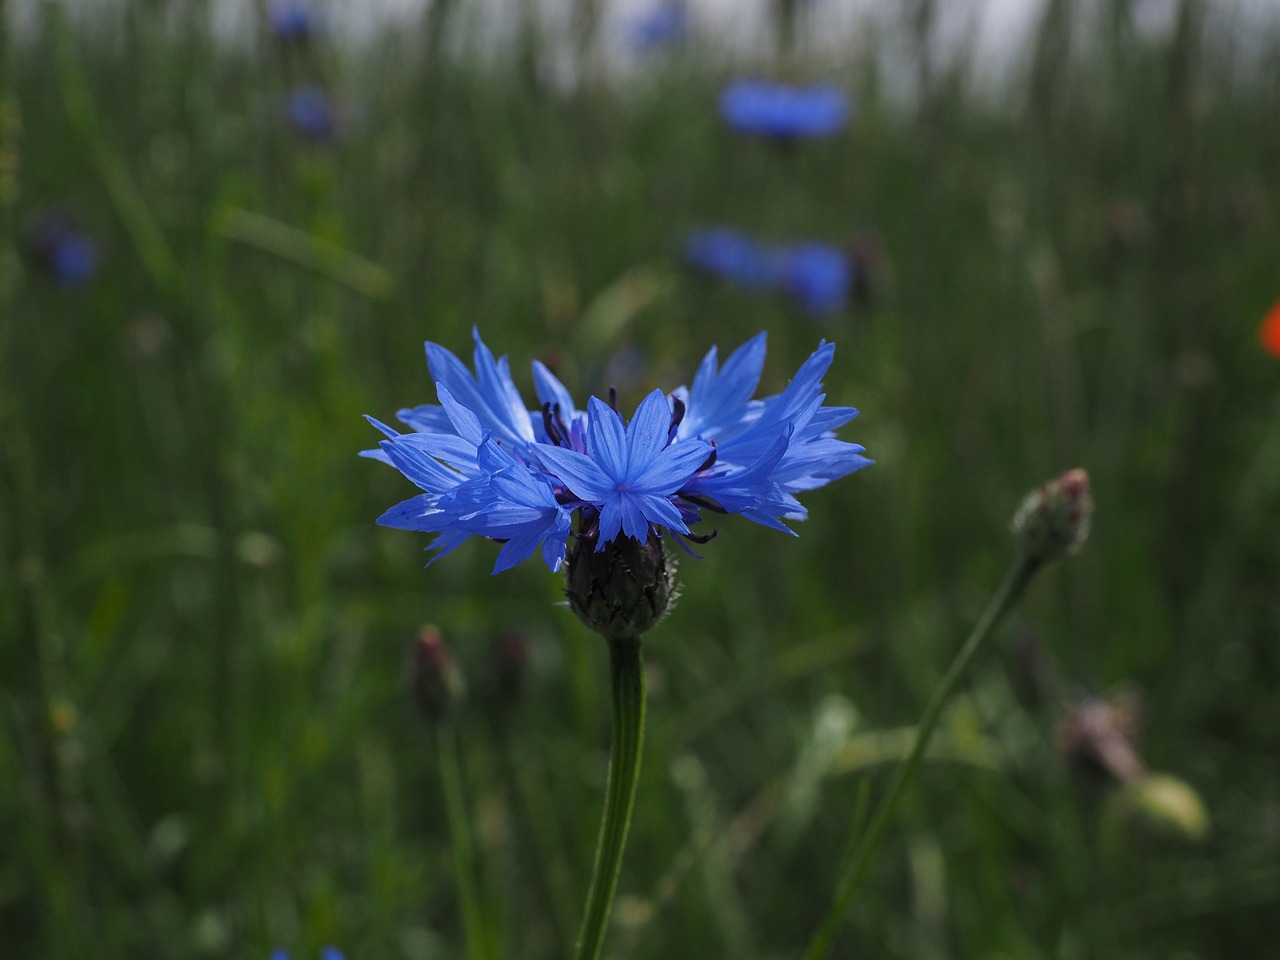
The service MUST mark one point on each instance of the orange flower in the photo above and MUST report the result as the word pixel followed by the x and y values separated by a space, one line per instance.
pixel 1269 332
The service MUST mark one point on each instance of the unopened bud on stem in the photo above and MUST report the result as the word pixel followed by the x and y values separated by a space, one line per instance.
pixel 435 680
pixel 1054 519
pixel 622 590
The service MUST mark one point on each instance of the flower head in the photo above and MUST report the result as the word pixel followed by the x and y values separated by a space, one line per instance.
pixel 291 21
pixel 784 112
pixel 58 246
pixel 1053 520
pixel 1269 331
pixel 664 24
pixel 489 467
pixel 730 255
pixel 817 277
pixel 313 114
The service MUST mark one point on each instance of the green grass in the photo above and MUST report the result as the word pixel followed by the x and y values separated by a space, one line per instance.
pixel 206 744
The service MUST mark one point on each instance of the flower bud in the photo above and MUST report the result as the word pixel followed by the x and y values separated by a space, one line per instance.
pixel 435 681
pixel 1054 519
pixel 622 590
pixel 509 665
pixel 1097 739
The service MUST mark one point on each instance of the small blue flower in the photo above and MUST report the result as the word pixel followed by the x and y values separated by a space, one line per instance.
pixel 292 21
pixel 630 474
pixel 61 248
pixel 326 953
pixel 784 112
pixel 730 255
pixel 665 24
pixel 816 276
pixel 312 113
pixel 488 467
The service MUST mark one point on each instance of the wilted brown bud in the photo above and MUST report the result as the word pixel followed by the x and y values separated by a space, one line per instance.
pixel 622 590
pixel 435 680
pixel 1097 738
pixel 1054 519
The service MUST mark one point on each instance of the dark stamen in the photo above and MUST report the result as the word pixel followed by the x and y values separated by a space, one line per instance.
pixel 564 428
pixel 677 415
pixel 703 502
pixel 710 460
pixel 613 398
pixel 701 538
pixel 549 425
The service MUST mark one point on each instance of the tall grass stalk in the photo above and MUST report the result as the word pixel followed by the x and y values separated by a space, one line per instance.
pixel 1006 596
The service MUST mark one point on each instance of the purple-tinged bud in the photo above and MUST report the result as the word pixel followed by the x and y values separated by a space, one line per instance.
pixel 1097 738
pixel 622 590
pixel 509 661
pixel 435 680
pixel 1054 519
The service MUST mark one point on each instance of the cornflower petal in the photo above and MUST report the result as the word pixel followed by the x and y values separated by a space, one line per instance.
pixel 718 399
pixel 487 396
pixel 672 467
pixel 464 422
pixel 580 474
pixel 495 381
pixel 606 438
pixel 647 432
pixel 550 390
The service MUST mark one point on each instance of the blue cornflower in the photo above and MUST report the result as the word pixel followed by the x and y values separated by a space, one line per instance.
pixel 60 247
pixel 665 24
pixel 291 21
pixel 730 255
pixel 629 475
pixel 312 113
pixel 491 468
pixel 816 276
pixel 326 953
pixel 784 112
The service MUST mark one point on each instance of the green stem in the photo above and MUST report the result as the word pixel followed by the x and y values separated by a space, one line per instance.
pixel 620 794
pixel 460 840
pixel 1015 581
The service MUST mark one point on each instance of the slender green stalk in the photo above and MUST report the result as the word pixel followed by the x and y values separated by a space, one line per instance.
pixel 1010 590
pixel 460 840
pixel 620 793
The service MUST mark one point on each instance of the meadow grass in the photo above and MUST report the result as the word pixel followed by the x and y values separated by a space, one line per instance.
pixel 206 742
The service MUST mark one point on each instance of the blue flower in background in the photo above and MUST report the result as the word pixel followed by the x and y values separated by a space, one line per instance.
pixel 730 255
pixel 816 276
pixel 665 24
pixel 292 21
pixel 784 112
pixel 327 953
pixel 58 245
pixel 312 113
pixel 489 467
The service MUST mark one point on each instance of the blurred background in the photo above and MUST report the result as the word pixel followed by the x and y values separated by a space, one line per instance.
pixel 1042 235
